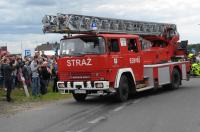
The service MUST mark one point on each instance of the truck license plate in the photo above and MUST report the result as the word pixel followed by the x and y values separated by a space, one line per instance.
pixel 80 91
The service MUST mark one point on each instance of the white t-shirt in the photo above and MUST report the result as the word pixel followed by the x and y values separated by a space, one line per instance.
pixel 198 58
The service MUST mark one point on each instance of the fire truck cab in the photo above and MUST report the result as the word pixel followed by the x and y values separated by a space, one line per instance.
pixel 111 62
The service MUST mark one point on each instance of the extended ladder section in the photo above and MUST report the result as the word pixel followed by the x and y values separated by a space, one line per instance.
pixel 80 24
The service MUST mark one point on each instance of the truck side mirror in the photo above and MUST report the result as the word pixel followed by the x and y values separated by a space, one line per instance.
pixel 183 45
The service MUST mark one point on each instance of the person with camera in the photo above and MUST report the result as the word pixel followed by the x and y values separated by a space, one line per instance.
pixel 35 76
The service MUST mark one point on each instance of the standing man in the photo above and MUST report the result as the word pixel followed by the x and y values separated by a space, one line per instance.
pixel 8 68
pixel 54 73
pixel 35 77
pixel 44 77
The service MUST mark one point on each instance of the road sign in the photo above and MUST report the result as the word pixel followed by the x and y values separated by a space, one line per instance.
pixel 27 52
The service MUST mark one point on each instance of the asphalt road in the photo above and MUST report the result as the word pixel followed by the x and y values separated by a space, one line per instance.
pixel 160 111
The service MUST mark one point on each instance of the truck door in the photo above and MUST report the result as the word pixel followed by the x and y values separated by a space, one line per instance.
pixel 114 57
pixel 133 58
pixel 114 51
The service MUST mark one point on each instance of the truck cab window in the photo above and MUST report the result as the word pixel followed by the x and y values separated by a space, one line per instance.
pixel 159 43
pixel 113 45
pixel 132 46
pixel 145 44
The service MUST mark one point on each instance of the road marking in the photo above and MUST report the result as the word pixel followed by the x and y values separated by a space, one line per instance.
pixel 83 129
pixel 37 109
pixel 98 119
pixel 119 108
pixel 127 104
pixel 136 101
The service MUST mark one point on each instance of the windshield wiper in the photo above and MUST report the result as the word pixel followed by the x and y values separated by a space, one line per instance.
pixel 91 52
pixel 76 54
pixel 73 54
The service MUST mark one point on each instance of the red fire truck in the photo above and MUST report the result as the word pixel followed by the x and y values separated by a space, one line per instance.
pixel 103 56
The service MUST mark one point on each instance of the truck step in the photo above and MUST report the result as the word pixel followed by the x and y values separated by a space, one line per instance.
pixel 139 86
pixel 144 88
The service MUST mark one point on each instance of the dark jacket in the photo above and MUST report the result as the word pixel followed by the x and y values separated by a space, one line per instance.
pixel 2 69
pixel 44 74
pixel 26 70
pixel 7 69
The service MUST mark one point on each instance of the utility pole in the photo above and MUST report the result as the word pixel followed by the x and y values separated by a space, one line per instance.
pixel 21 48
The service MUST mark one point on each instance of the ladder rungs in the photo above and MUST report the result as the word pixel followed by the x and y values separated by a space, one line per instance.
pixel 70 23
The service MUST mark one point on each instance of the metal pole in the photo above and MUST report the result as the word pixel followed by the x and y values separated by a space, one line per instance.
pixel 21 48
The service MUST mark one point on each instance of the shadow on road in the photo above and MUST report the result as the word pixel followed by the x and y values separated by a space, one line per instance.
pixel 110 99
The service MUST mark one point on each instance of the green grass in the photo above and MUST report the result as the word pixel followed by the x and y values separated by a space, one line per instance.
pixel 19 96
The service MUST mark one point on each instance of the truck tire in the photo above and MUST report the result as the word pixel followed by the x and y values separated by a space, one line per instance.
pixel 176 79
pixel 123 90
pixel 79 97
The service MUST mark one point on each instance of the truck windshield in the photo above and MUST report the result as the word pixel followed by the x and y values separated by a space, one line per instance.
pixel 82 46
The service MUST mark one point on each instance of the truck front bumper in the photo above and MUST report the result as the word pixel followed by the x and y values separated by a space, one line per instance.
pixel 79 87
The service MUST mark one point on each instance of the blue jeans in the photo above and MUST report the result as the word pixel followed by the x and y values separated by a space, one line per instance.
pixel 35 86
pixel 43 86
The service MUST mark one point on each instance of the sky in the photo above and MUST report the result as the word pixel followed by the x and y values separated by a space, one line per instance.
pixel 21 24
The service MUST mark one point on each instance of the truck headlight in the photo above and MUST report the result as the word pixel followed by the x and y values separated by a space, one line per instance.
pixel 89 84
pixel 99 85
pixel 61 85
pixel 68 85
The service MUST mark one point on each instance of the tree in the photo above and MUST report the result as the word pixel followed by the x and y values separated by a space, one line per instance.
pixel 196 47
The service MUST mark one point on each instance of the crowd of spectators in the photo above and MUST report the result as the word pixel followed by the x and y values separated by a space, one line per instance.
pixel 34 72
pixel 195 63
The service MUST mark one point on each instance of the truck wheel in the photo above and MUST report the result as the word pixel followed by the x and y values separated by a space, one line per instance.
pixel 79 97
pixel 176 79
pixel 123 90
